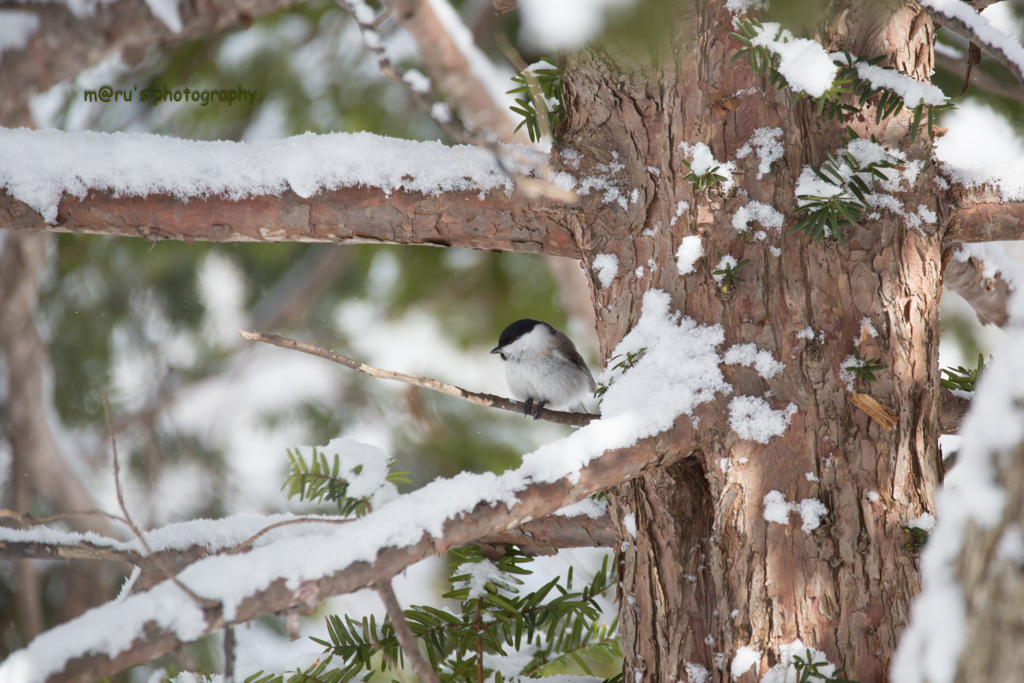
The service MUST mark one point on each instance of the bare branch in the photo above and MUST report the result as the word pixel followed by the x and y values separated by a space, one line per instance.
pixel 489 400
pixel 535 500
pixel 979 78
pixel 404 634
pixel 229 654
pixel 987 296
pixel 349 215
pixel 451 68
pixel 127 518
pixel 987 42
pixel 983 217
pixel 122 26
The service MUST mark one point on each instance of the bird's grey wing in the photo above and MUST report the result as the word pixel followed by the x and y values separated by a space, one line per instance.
pixel 567 349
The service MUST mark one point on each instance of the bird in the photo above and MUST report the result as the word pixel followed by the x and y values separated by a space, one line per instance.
pixel 543 367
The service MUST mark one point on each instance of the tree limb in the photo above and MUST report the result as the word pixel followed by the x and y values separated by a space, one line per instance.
pixel 956 19
pixel 538 536
pixel 450 66
pixel 124 26
pixel 987 296
pixel 980 79
pixel 350 215
pixel 404 634
pixel 489 400
pixel 982 216
pixel 532 501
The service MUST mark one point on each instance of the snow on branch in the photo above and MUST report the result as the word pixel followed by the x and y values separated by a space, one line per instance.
pixel 489 400
pixel 962 19
pixel 329 559
pixel 340 188
pixel 991 205
pixel 986 292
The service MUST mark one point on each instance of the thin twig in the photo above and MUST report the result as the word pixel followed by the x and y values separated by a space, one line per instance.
pixel 29 520
pixel 247 543
pixel 489 400
pixel 405 635
pixel 229 653
pixel 128 520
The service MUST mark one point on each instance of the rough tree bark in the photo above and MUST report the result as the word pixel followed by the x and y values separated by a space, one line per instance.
pixel 707 574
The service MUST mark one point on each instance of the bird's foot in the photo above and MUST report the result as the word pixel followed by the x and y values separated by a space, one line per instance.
pixel 540 407
pixel 527 407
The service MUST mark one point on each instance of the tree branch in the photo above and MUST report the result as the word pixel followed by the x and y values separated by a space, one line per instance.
pixel 533 500
pixel 980 79
pixel 538 536
pixel 350 215
pixel 404 634
pixel 987 296
pixel 124 26
pixel 450 65
pixel 963 20
pixel 982 216
pixel 489 400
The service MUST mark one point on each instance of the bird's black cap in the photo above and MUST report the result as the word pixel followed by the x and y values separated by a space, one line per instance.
pixel 515 331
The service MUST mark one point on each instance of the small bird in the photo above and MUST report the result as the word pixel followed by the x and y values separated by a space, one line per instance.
pixel 542 366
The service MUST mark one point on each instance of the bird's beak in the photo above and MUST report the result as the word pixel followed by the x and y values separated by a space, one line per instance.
pixel 496 349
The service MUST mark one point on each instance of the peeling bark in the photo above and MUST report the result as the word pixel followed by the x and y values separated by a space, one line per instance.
pixel 987 296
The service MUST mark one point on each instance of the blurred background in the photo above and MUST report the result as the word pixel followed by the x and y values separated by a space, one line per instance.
pixel 203 420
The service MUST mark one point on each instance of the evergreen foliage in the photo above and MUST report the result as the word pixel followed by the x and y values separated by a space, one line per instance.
pixel 866 368
pixel 319 481
pixel 729 273
pixel 549 81
pixel 847 82
pixel 826 216
pixel 705 180
pixel 555 625
pixel 809 671
pixel 961 378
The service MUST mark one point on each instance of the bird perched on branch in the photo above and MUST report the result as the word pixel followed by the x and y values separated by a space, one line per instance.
pixel 543 367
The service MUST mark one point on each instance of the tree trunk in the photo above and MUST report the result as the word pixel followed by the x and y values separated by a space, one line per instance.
pixel 707 574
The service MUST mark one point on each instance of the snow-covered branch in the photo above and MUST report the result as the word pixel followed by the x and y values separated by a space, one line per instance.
pixel 332 188
pixel 985 216
pixel 986 295
pixel 87 34
pixel 294 570
pixel 489 400
pixel 538 536
pixel 962 19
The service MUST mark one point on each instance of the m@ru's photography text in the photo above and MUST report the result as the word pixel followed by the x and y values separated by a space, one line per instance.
pixel 158 95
